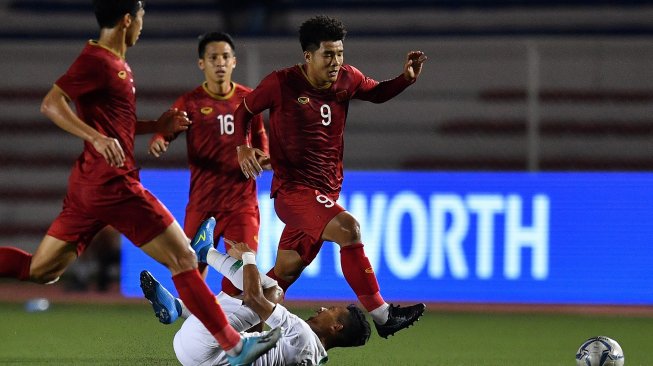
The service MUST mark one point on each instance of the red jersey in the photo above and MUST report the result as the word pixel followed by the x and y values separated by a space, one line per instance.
pixel 307 124
pixel 216 180
pixel 101 84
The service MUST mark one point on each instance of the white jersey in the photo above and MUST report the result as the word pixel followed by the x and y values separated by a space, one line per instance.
pixel 299 345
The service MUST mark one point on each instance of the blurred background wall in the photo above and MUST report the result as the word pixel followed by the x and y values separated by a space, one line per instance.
pixel 509 85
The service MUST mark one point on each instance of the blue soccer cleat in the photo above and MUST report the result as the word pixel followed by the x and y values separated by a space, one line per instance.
pixel 166 307
pixel 254 347
pixel 203 240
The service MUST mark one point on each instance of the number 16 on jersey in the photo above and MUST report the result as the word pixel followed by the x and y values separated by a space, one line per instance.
pixel 226 124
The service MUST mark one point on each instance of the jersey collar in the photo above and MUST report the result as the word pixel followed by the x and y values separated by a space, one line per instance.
pixel 95 43
pixel 327 86
pixel 213 95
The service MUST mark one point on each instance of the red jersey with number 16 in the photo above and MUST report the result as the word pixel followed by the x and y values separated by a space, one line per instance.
pixel 216 181
pixel 101 84
pixel 307 123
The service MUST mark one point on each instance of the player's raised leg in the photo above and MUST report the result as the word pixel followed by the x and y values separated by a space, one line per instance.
pixel 171 249
pixel 388 319
pixel 229 267
pixel 166 307
pixel 45 266
pixel 203 239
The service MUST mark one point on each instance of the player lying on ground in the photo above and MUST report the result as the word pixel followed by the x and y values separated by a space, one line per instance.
pixel 302 342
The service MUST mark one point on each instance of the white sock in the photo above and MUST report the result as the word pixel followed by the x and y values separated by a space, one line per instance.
pixel 236 350
pixel 185 313
pixel 232 268
pixel 380 315
pixel 229 267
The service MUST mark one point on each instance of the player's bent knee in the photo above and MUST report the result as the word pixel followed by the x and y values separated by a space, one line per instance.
pixel 182 262
pixel 188 261
pixel 288 271
pixel 44 277
pixel 348 230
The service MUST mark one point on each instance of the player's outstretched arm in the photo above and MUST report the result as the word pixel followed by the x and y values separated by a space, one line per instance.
pixel 55 106
pixel 413 64
pixel 253 294
pixel 171 122
pixel 169 126
pixel 376 92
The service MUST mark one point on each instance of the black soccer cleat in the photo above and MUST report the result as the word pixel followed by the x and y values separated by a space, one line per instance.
pixel 399 318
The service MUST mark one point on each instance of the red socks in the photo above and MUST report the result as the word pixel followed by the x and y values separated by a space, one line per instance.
pixel 201 302
pixel 360 276
pixel 14 263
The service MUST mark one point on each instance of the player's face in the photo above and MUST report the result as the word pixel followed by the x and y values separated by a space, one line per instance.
pixel 218 63
pixel 327 317
pixel 324 63
pixel 135 27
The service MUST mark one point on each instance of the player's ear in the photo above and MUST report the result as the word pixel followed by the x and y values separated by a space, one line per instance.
pixel 307 56
pixel 337 327
pixel 126 20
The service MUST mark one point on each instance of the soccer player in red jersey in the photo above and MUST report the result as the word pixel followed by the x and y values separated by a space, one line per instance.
pixel 217 185
pixel 104 186
pixel 308 107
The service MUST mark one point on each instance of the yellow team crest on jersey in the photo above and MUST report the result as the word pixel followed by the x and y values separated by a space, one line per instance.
pixel 122 74
pixel 206 110
pixel 303 100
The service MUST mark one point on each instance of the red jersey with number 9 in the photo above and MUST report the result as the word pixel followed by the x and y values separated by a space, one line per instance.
pixel 307 123
pixel 101 84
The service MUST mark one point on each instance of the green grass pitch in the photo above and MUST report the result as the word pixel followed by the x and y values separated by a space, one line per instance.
pixel 130 335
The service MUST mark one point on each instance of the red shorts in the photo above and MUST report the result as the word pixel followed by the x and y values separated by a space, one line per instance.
pixel 239 226
pixel 122 202
pixel 306 212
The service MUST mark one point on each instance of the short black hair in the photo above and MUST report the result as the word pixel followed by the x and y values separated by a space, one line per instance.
pixel 356 329
pixel 319 29
pixel 207 38
pixel 109 12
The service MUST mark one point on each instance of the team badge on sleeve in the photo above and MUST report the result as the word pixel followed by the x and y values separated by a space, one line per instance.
pixel 303 100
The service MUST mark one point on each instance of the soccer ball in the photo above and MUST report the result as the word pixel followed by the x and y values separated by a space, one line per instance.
pixel 600 351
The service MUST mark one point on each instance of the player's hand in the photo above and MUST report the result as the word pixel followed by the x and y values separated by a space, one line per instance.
pixel 237 249
pixel 413 65
pixel 158 145
pixel 110 150
pixel 248 161
pixel 173 121
pixel 264 162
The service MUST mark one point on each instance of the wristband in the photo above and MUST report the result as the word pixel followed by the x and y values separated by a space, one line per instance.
pixel 249 258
